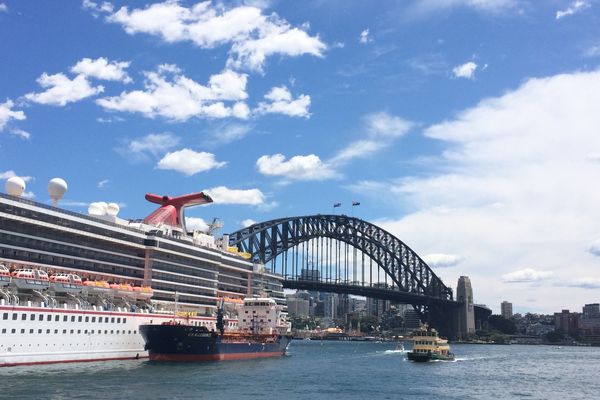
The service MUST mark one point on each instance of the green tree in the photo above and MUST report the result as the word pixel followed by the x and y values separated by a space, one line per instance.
pixel 499 323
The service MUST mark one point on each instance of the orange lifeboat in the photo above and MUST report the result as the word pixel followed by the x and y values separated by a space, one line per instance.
pixel 143 292
pixel 96 287
pixel 28 278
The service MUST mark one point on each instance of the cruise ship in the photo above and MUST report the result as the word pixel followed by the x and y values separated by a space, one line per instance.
pixel 76 287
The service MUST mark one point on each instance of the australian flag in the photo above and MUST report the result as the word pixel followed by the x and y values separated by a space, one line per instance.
pixel 337 205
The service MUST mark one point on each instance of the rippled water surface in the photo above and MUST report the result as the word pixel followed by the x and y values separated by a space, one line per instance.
pixel 326 370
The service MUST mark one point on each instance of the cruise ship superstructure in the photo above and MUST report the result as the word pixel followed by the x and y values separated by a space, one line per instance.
pixel 76 287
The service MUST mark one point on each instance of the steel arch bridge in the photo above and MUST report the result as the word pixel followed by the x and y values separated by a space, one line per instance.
pixel 337 253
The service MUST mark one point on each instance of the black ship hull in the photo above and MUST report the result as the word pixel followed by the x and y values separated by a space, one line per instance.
pixel 196 343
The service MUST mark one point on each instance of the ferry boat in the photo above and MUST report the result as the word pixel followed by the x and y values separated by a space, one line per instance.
pixel 262 331
pixel 428 346
pixel 77 287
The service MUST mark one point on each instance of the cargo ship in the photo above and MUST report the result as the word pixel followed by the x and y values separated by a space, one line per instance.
pixel 76 287
pixel 262 331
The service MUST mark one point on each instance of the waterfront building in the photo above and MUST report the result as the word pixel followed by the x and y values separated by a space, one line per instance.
pixel 506 309
pixel 466 312
pixel 566 322
pixel 298 305
pixel 589 324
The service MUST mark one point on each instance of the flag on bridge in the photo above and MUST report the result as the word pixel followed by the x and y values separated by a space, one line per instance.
pixel 355 203
pixel 337 205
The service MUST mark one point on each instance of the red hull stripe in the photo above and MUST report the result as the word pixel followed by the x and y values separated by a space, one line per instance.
pixel 213 357
pixel 71 361
pixel 86 312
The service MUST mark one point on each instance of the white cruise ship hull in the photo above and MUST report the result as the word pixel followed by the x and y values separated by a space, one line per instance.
pixel 40 335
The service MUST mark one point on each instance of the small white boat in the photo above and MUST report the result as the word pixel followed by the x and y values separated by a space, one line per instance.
pixel 4 275
pixel 26 278
pixel 66 283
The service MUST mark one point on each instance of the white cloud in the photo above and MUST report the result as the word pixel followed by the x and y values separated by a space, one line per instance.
pixel 101 68
pixel 196 224
pixel 189 162
pixel 381 129
pixel 253 36
pixel 103 183
pixel 364 37
pixel 575 7
pixel 10 173
pixel 306 168
pixel 592 51
pixel 527 275
pixel 230 133
pixel 583 283
pixel 21 133
pixel 480 5
pixel 154 144
pixel 439 260
pixel 28 195
pixel 3 7
pixel 515 186
pixel 7 114
pixel 171 95
pixel 466 70
pixel 280 101
pixel 248 222
pixel 97 8
pixel 61 90
pixel 224 195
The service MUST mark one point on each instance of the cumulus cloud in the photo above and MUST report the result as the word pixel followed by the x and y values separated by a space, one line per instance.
pixel 527 275
pixel 364 37
pixel 97 8
pixel 60 90
pixel 466 70
pixel 575 7
pixel 248 222
pixel 252 36
pixel 440 260
pixel 196 224
pixel 154 144
pixel 7 114
pixel 225 195
pixel 280 101
pixel 3 7
pixel 101 68
pixel 189 162
pixel 514 185
pixel 168 93
pixel 380 129
pixel 306 168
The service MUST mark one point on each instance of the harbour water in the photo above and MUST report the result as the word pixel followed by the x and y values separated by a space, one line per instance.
pixel 327 370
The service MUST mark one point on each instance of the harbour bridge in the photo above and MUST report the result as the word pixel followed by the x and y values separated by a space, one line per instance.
pixel 341 254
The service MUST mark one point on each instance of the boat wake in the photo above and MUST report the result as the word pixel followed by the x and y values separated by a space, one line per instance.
pixel 395 351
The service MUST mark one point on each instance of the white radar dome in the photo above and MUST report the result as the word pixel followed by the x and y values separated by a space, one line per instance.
pixel 112 209
pixel 96 209
pixel 15 186
pixel 56 189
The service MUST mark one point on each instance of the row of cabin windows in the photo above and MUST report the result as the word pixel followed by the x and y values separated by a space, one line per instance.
pixel 424 342
pixel 254 311
pixel 65 318
pixel 72 331
pixel 262 320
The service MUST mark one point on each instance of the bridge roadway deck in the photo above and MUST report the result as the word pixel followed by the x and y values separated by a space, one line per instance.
pixel 367 291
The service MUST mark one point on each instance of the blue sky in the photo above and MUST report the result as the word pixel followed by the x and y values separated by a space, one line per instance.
pixel 466 127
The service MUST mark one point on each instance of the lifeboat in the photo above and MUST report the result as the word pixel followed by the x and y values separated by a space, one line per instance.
pixel 96 287
pixel 66 283
pixel 26 278
pixel 4 275
pixel 125 290
pixel 143 292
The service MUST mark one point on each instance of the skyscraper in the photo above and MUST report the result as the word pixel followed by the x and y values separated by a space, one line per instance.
pixel 506 309
pixel 466 312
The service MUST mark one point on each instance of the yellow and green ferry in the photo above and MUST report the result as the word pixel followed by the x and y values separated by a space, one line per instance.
pixel 427 346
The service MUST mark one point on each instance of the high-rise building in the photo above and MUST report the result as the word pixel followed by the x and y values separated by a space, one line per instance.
pixel 566 322
pixel 506 309
pixel 297 305
pixel 466 312
pixel 412 321
pixel 591 311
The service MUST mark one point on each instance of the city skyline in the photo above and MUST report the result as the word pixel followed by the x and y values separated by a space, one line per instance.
pixel 465 128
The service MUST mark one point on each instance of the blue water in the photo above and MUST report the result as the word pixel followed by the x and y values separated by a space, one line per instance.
pixel 326 370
